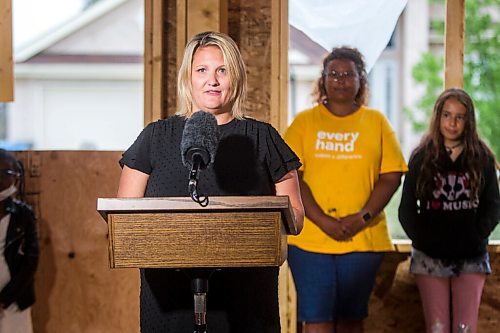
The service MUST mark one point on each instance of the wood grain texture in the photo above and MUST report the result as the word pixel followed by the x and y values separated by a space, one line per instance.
pixel 76 291
pixel 454 44
pixel 279 65
pixel 176 232
pixel 154 81
pixel 216 203
pixel 183 240
pixel 250 26
pixel 6 55
pixel 207 15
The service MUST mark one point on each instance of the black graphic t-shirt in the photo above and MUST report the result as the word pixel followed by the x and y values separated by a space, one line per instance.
pixel 251 157
pixel 452 192
pixel 451 224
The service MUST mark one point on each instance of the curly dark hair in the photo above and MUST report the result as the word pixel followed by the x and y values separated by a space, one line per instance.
pixel 19 168
pixel 344 53
pixel 475 151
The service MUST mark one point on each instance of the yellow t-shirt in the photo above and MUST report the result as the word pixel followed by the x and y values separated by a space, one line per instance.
pixel 342 158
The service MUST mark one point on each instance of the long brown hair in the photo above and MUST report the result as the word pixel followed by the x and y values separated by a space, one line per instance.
pixel 344 53
pixel 475 151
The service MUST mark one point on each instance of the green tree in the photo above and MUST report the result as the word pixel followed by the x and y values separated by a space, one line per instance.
pixel 481 70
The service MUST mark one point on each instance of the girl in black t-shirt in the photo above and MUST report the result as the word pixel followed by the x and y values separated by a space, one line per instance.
pixel 450 204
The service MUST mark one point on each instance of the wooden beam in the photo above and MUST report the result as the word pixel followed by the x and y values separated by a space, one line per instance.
pixel 279 65
pixel 181 31
pixel 454 44
pixel 194 16
pixel 153 60
pixel 6 62
pixel 207 15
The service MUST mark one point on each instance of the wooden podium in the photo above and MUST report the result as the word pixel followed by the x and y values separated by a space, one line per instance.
pixel 175 232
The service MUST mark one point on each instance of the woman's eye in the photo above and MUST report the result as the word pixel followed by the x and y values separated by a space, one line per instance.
pixel 222 70
pixel 201 70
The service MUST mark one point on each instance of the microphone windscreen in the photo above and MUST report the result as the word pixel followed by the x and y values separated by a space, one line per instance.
pixel 200 132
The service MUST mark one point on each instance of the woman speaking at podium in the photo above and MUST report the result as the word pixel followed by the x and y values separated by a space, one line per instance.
pixel 250 158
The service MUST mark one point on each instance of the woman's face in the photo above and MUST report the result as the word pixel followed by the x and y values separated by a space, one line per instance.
pixel 452 120
pixel 341 81
pixel 210 81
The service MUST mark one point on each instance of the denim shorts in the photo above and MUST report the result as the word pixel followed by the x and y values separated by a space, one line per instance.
pixel 423 264
pixel 333 287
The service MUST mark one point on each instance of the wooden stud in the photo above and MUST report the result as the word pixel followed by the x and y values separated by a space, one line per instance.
pixel 279 65
pixel 208 15
pixel 454 44
pixel 181 30
pixel 153 60
pixel 197 16
pixel 148 63
pixel 6 61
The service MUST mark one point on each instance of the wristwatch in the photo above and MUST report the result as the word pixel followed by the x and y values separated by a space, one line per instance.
pixel 365 215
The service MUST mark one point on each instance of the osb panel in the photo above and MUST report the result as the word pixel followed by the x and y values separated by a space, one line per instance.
pixel 395 303
pixel 75 288
pixel 489 311
pixel 170 58
pixel 250 27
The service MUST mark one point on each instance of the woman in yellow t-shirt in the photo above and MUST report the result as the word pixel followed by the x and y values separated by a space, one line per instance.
pixel 352 165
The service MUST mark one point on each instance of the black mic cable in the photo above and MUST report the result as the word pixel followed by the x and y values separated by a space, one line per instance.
pixel 193 181
pixel 199 143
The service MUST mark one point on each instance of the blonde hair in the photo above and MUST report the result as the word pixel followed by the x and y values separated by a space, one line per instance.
pixel 234 65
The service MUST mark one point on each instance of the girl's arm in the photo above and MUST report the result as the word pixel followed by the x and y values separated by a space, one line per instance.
pixel 408 207
pixel 489 202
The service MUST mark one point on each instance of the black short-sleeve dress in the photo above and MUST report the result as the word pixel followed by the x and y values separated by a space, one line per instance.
pixel 251 156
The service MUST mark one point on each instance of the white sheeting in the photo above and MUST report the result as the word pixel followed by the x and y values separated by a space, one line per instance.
pixel 364 24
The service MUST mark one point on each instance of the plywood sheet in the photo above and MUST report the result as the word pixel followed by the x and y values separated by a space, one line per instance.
pixel 75 288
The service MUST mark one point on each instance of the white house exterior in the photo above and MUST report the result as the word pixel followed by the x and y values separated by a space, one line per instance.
pixel 80 86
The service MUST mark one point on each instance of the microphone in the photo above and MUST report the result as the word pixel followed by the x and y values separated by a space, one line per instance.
pixel 200 138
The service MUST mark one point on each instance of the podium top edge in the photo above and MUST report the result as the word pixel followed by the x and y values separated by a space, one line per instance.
pixel 280 203
pixel 186 203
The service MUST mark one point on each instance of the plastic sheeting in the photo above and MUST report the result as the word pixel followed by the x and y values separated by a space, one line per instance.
pixel 364 24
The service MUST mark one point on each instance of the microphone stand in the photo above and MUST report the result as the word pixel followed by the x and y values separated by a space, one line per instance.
pixel 199 277
pixel 193 181
pixel 199 287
